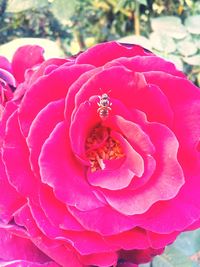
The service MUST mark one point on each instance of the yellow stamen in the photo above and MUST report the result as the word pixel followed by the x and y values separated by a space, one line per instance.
pixel 100 146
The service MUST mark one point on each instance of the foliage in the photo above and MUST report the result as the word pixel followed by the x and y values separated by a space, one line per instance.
pixel 184 252
pixel 172 27
pixel 30 19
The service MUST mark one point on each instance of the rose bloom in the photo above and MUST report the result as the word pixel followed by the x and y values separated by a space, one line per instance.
pixel 100 158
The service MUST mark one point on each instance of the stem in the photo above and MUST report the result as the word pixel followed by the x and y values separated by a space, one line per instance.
pixel 136 18
pixel 80 39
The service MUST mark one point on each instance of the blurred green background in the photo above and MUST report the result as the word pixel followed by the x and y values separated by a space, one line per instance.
pixel 169 28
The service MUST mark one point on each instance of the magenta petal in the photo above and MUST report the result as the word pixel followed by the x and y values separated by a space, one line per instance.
pixel 147 64
pixel 61 253
pixel 10 200
pixel 127 264
pixel 43 124
pixel 74 89
pixel 119 177
pixel 135 135
pixel 56 211
pixel 44 65
pixel 60 170
pixel 161 240
pixel 102 259
pixel 135 238
pixel 165 182
pixel 18 170
pixel 101 53
pixel 38 96
pixel 105 220
pixel 5 64
pixel 81 126
pixel 77 240
pixel 7 77
pixel 24 263
pixel 26 57
pixel 113 80
pixel 13 247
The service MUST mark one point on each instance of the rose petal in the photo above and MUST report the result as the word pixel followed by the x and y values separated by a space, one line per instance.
pixel 136 238
pixel 101 53
pixel 158 241
pixel 165 183
pixel 74 89
pixel 60 170
pixel 118 81
pixel 7 77
pixel 60 79
pixel 18 171
pixel 116 178
pixel 26 57
pixel 104 220
pixel 56 212
pixel 23 263
pixel 10 200
pixel 5 64
pixel 184 98
pixel 13 247
pixel 43 123
pixel 147 64
pixel 101 259
pixel 95 242
pixel 44 65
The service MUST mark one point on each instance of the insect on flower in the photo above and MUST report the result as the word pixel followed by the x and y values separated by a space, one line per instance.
pixel 104 106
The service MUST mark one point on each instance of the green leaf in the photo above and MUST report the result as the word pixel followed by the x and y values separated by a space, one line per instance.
pixel 162 42
pixel 176 60
pixel 188 242
pixel 193 60
pixel 192 24
pixel 142 2
pixel 139 40
pixel 16 6
pixel 51 49
pixel 187 48
pixel 63 10
pixel 172 258
pixel 170 26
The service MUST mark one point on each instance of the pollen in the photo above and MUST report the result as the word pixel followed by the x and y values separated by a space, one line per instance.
pixel 100 146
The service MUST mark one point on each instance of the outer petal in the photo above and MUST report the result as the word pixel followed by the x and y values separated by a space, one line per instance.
pixel 47 89
pixel 101 53
pixel 105 220
pixel 57 212
pixel 26 57
pixel 5 64
pixel 18 170
pixel 24 263
pixel 44 123
pixel 13 247
pixel 61 253
pixel 147 64
pixel 10 200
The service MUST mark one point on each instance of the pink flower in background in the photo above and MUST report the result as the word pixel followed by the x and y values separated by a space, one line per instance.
pixel 100 160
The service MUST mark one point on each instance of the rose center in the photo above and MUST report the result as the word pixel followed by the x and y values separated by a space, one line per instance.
pixel 100 146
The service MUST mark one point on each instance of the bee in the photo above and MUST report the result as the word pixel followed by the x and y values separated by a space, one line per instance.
pixel 104 106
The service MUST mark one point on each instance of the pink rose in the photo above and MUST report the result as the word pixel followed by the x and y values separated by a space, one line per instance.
pixel 100 159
